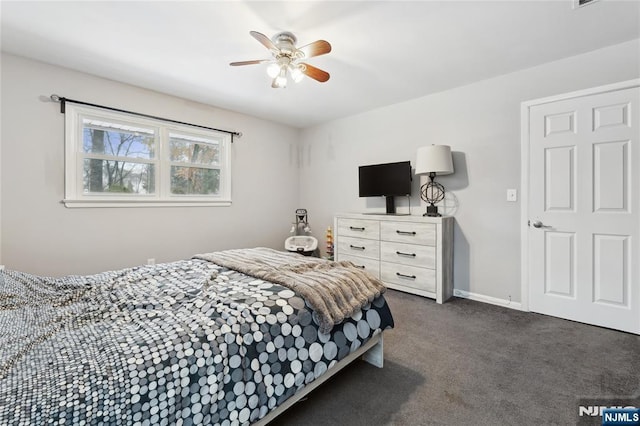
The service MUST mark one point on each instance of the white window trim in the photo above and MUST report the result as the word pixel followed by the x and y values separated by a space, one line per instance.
pixel 74 196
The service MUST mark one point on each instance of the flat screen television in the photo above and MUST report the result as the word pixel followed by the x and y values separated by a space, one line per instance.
pixel 388 180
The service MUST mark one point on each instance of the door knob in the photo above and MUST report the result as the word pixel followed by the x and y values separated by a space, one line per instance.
pixel 539 224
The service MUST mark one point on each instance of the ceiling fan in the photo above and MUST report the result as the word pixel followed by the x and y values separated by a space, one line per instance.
pixel 287 58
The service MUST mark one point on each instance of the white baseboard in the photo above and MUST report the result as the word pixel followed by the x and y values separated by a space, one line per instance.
pixel 487 299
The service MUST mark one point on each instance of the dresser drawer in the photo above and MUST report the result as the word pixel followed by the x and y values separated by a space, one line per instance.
pixel 372 266
pixel 408 232
pixel 359 247
pixel 408 254
pixel 408 276
pixel 359 228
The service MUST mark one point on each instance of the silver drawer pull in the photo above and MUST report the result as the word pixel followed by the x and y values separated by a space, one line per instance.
pixel 405 232
pixel 399 253
pixel 356 228
pixel 356 247
pixel 413 277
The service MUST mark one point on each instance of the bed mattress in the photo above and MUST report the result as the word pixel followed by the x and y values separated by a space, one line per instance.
pixel 187 342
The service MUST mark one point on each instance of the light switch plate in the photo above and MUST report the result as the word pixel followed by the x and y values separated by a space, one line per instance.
pixel 512 195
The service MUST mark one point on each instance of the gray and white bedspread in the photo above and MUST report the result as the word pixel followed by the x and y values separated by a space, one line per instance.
pixel 161 344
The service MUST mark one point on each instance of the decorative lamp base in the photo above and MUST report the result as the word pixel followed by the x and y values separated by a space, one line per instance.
pixel 432 192
pixel 432 211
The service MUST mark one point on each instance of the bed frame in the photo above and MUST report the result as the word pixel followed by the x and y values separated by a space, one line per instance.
pixel 371 352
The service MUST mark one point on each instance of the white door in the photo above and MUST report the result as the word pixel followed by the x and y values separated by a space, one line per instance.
pixel 583 209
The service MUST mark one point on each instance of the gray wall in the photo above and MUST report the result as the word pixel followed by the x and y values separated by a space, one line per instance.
pixel 39 235
pixel 481 122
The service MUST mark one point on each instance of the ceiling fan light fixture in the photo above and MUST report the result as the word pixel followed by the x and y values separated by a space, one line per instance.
pixel 296 73
pixel 281 82
pixel 281 79
pixel 273 70
pixel 286 56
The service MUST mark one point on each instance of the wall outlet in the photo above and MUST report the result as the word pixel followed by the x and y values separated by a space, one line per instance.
pixel 151 261
pixel 512 195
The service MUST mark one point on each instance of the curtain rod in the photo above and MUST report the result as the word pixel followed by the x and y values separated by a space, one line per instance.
pixel 63 100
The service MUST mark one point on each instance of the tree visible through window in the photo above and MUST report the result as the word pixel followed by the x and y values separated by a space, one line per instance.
pixel 117 156
pixel 202 177
pixel 119 174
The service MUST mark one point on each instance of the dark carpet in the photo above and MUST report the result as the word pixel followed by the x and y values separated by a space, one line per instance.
pixel 471 363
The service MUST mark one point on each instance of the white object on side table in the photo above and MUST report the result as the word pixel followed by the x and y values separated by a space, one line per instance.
pixel 408 253
pixel 301 244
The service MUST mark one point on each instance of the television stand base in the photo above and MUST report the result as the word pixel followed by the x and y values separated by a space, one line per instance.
pixel 388 214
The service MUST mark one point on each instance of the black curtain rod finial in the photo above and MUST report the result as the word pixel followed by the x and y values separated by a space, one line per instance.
pixel 56 98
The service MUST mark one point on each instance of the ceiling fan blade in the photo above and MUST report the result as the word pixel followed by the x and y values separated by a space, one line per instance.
pixel 256 61
pixel 315 73
pixel 317 48
pixel 266 41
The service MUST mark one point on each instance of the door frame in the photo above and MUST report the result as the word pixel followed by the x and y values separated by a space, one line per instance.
pixel 525 108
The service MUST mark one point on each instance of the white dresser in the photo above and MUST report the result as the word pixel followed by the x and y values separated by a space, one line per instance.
pixel 408 253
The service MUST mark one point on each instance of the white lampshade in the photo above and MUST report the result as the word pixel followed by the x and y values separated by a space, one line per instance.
pixel 434 159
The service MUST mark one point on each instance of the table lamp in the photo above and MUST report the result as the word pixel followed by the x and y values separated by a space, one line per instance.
pixel 433 160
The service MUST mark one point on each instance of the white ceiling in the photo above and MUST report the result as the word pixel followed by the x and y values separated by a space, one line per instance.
pixel 384 52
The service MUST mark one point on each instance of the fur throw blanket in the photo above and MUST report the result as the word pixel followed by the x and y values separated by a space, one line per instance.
pixel 335 290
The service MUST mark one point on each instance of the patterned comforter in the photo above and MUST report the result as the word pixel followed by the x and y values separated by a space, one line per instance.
pixel 162 344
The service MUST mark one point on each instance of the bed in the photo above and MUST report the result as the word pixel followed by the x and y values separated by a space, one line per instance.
pixel 188 342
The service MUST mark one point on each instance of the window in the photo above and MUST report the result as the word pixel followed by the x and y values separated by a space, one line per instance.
pixel 117 159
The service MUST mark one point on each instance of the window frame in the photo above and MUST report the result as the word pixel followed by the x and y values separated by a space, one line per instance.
pixel 75 156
